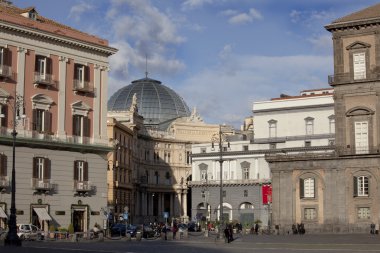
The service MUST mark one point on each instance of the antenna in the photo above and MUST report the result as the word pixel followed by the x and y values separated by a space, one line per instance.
pixel 146 65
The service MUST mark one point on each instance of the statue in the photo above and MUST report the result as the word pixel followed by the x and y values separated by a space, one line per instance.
pixel 133 107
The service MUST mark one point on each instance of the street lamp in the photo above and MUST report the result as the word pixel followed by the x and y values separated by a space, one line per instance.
pixel 12 238
pixel 220 137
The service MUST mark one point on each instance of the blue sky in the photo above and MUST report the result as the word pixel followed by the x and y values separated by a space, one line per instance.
pixel 219 55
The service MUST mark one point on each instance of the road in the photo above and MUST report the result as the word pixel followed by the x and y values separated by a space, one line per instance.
pixel 350 243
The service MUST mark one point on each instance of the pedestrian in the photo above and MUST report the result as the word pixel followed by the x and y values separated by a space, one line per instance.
pixel 164 230
pixel 257 228
pixel 175 229
pixel 372 231
pixel 377 228
pixel 231 232
pixel 227 234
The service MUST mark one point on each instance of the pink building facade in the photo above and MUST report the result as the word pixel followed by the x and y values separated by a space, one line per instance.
pixel 53 92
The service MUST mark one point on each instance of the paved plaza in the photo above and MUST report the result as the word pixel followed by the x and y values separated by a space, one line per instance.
pixel 349 243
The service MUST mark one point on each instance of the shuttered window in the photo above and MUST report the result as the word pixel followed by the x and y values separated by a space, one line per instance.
pixel 42 120
pixel 361 137
pixel 3 165
pixel 80 171
pixel 41 168
pixel 81 126
pixel 361 186
pixel 307 188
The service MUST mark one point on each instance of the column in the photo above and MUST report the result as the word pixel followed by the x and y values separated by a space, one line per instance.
pixel 62 97
pixel 97 112
pixel 172 214
pixel 103 103
pixel 21 70
pixel 184 203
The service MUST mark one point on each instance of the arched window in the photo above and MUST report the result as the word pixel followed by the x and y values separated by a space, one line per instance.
pixel 307 187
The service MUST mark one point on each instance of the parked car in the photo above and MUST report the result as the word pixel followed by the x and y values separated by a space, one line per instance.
pixel 29 232
pixel 123 229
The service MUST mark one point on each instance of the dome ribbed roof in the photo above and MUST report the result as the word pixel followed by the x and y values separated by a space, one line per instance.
pixel 155 102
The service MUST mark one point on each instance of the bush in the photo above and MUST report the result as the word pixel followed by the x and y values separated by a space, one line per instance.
pixel 71 228
pixel 52 228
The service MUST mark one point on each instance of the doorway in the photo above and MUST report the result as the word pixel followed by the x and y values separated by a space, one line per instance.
pixel 79 220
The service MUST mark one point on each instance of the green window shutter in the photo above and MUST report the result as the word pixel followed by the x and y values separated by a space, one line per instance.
pixel 75 170
pixel 35 170
pixel 85 171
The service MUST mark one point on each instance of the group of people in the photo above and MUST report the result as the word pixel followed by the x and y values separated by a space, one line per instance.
pixel 374 229
pixel 298 229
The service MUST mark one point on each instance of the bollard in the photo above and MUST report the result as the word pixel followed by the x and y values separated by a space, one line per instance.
pixel 138 236
pixel 128 236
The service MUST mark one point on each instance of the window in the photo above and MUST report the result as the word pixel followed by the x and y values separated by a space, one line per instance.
pixel 79 75
pixel 41 168
pixel 188 157
pixel 245 193
pixel 3 115
pixel 307 188
pixel 307 143
pixel 203 150
pixel 272 128
pixel 310 214
pixel 361 137
pixel 2 56
pixel 361 186
pixel 81 125
pixel 359 66
pixel 309 125
pixel 41 120
pixel 245 148
pixel 224 194
pixel 364 213
pixel 80 171
pixel 203 175
pixel 245 173
pixel 332 124
pixel 3 166
pixel 157 177
pixel 168 177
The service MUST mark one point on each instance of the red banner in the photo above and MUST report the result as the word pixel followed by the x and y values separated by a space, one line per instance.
pixel 266 192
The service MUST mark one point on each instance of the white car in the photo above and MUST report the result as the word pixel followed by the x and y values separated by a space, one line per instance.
pixel 29 232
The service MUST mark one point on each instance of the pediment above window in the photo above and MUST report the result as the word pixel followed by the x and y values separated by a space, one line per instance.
pixel 358 45
pixel 245 164
pixel 358 111
pixel 203 166
pixel 4 96
pixel 80 108
pixel 41 101
pixel 309 119
pixel 272 121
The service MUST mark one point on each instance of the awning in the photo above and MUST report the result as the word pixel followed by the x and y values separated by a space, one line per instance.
pixel 2 213
pixel 42 213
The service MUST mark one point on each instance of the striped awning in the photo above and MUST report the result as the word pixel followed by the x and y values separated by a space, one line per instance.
pixel 3 214
pixel 42 213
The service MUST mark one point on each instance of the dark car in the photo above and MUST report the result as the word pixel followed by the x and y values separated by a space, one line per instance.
pixel 123 229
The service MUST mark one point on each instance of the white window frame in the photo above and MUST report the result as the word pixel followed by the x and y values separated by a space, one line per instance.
pixel 40 167
pixel 42 62
pixel 80 171
pixel 2 50
pixel 245 173
pixel 331 125
pixel 309 187
pixel 80 74
pixel 272 128
pixel 361 137
pixel 364 213
pixel 359 62
pixel 363 186
pixel 309 126
pixel 310 214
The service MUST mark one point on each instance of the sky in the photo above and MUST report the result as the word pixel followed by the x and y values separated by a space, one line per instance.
pixel 220 56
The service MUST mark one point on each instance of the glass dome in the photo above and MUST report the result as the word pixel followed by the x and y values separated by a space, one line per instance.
pixel 155 102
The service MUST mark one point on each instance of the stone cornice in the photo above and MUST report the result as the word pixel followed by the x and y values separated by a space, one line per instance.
pixel 352 24
pixel 57 38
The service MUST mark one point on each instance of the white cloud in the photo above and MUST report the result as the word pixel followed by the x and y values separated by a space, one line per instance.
pixel 253 78
pixel 192 4
pixel 77 10
pixel 322 43
pixel 242 18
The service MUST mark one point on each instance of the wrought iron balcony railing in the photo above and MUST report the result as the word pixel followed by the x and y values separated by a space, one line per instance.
pixel 83 86
pixel 82 186
pixel 45 79
pixel 41 184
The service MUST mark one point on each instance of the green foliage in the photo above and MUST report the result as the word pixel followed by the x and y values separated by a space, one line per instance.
pixel 258 221
pixel 62 229
pixel 71 228
pixel 52 228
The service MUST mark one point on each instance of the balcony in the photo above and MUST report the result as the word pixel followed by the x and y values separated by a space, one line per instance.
pixel 229 182
pixel 357 151
pixel 46 80
pixel 41 184
pixel 83 86
pixel 5 71
pixel 343 78
pixel 82 186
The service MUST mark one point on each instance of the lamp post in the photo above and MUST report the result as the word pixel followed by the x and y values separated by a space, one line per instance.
pixel 220 138
pixel 12 238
